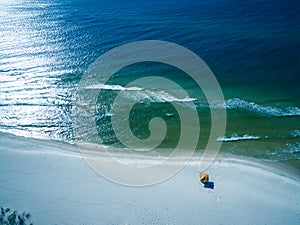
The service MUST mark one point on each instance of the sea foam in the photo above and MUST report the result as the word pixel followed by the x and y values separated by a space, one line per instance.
pixel 148 95
pixel 268 110
pixel 113 87
pixel 235 137
pixel 236 103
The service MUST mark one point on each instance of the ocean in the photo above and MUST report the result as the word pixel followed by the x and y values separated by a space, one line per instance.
pixel 252 47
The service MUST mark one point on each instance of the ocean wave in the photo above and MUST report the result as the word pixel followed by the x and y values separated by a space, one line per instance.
pixel 269 110
pixel 153 95
pixel 147 95
pixel 113 87
pixel 291 152
pixel 162 96
pixel 235 137
pixel 293 148
pixel 236 103
pixel 295 133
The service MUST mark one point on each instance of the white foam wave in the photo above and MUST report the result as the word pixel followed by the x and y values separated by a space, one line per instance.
pixel 236 103
pixel 169 114
pixel 151 95
pixel 270 110
pixel 113 87
pixel 235 137
pixel 109 114
pixel 292 151
pixel 293 148
pixel 162 96
pixel 295 133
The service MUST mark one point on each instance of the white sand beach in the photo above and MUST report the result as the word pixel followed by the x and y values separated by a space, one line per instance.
pixel 53 182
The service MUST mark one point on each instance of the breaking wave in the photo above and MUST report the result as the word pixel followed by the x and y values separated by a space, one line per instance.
pixel 114 87
pixel 235 137
pixel 236 103
pixel 291 152
pixel 163 96
pixel 148 95
pixel 268 110
pixel 295 133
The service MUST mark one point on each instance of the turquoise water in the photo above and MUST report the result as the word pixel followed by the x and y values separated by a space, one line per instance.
pixel 251 46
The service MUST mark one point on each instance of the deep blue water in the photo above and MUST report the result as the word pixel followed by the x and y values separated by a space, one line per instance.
pixel 251 46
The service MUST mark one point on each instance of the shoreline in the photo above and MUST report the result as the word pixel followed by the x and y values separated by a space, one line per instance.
pixel 53 182
pixel 59 147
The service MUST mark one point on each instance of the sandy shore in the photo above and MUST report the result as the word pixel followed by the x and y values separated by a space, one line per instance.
pixel 53 182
